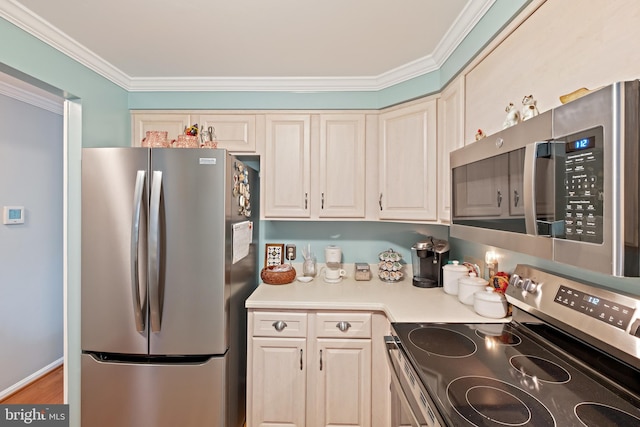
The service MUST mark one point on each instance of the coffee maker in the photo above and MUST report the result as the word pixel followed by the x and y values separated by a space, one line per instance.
pixel 427 259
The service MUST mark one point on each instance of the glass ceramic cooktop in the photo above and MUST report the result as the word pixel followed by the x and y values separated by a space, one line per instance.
pixel 497 375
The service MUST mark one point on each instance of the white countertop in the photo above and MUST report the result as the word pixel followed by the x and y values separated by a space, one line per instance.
pixel 400 301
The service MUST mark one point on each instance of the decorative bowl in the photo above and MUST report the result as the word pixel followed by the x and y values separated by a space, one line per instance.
pixel 278 274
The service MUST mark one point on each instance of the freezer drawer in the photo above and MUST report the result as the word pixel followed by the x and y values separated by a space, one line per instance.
pixel 150 395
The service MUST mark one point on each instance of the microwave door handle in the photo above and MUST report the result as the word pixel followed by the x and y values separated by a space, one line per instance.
pixel 154 252
pixel 529 187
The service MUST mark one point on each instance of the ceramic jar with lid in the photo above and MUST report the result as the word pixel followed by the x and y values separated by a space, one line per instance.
pixel 469 285
pixel 451 273
pixel 489 303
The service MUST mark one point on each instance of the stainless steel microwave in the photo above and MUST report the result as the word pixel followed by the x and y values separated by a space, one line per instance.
pixel 563 185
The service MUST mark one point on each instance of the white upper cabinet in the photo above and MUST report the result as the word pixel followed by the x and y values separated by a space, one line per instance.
pixel 342 166
pixel 287 160
pixel 330 186
pixel 408 172
pixel 235 132
pixel 172 123
pixel 450 138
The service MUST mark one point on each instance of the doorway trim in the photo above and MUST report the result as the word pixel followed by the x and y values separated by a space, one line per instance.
pixel 72 215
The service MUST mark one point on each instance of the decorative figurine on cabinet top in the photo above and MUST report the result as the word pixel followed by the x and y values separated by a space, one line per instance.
pixel 529 108
pixel 513 116
pixel 480 134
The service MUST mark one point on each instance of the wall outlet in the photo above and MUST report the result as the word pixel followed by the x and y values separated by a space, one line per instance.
pixel 290 253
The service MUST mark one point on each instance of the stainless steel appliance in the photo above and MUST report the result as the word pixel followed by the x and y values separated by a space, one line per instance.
pixel 427 259
pixel 569 357
pixel 168 259
pixel 563 185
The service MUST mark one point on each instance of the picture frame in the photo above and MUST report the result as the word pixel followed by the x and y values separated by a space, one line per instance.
pixel 273 254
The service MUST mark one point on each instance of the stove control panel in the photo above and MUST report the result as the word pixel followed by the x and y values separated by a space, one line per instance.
pixel 602 309
pixel 526 284
pixel 600 316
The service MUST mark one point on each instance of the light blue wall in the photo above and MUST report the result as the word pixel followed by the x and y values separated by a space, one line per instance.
pixel 31 254
pixel 361 241
pixel 106 119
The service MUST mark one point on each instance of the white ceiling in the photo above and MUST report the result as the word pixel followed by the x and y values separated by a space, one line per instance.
pixel 252 44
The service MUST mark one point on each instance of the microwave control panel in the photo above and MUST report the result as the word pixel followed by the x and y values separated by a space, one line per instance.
pixel 583 182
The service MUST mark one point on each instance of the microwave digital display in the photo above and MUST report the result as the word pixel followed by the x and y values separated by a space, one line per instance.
pixel 581 144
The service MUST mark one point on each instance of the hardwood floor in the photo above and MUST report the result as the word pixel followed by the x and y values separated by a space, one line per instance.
pixel 48 389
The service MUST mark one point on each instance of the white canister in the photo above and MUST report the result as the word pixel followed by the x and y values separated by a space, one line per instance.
pixel 489 303
pixel 467 286
pixel 450 275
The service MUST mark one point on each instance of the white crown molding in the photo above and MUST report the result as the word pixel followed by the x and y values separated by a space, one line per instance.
pixel 466 21
pixel 26 96
pixel 43 30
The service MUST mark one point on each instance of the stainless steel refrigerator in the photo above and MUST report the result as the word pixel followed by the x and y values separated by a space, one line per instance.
pixel 168 258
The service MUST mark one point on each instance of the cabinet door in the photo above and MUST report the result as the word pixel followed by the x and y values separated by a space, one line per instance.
pixel 278 370
pixel 235 132
pixel 342 166
pixel 172 123
pixel 287 166
pixel 408 163
pixel 450 138
pixel 343 382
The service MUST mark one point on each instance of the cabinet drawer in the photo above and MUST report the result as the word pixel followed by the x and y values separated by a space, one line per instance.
pixel 266 324
pixel 356 325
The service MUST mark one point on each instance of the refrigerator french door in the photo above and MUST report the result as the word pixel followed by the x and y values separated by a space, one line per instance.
pixel 156 285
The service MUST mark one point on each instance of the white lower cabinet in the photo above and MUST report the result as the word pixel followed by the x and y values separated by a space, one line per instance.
pixel 315 369
pixel 341 379
pixel 279 382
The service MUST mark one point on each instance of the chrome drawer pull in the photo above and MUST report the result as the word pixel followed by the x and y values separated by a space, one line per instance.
pixel 279 325
pixel 343 326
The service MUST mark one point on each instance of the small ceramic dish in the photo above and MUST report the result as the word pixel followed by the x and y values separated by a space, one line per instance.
pixel 305 279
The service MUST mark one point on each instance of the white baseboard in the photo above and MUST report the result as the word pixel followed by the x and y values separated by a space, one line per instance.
pixel 31 378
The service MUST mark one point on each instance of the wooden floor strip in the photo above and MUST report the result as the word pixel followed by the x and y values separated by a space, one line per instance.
pixel 48 389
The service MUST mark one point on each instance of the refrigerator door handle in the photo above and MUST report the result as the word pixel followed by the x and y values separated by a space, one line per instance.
pixel 135 245
pixel 154 251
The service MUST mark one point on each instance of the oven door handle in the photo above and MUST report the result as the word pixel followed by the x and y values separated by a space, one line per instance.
pixel 391 345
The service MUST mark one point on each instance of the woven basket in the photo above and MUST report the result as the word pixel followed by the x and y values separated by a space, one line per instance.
pixel 271 277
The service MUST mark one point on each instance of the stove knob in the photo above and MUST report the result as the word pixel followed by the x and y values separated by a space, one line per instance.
pixel 530 286
pixel 515 281
pixel 635 328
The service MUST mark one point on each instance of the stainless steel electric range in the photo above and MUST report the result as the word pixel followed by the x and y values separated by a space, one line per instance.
pixel 569 357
